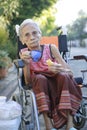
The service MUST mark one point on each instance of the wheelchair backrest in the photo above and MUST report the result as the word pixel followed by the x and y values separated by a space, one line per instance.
pixel 60 42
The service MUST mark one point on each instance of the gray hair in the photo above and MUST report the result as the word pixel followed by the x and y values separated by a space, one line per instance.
pixel 26 22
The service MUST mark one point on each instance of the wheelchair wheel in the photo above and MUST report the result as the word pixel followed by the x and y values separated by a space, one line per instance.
pixel 79 121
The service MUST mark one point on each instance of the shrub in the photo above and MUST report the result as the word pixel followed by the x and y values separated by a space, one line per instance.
pixel 5 60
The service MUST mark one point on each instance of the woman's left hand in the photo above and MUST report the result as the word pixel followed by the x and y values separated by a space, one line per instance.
pixel 56 68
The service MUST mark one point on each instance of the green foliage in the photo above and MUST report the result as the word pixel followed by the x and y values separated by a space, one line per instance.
pixel 16 11
pixel 10 48
pixel 35 7
pixel 8 9
pixel 1 11
pixel 6 44
pixel 13 12
pixel 5 60
pixel 46 22
pixel 3 35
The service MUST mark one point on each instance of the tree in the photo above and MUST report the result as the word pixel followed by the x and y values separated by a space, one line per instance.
pixel 46 22
pixel 13 12
pixel 38 10
pixel 8 9
pixel 16 11
pixel 32 8
pixel 77 31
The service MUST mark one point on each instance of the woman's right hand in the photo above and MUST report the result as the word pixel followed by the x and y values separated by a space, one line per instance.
pixel 25 56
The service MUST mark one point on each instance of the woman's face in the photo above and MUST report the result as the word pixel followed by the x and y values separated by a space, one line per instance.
pixel 31 36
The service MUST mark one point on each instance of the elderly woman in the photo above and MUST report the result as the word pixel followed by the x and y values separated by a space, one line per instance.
pixel 57 94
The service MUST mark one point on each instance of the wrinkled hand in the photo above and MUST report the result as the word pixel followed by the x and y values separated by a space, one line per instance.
pixel 55 68
pixel 25 56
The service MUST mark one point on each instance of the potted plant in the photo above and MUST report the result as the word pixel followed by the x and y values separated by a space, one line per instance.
pixel 5 63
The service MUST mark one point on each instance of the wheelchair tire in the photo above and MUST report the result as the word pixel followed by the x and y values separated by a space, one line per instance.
pixel 79 122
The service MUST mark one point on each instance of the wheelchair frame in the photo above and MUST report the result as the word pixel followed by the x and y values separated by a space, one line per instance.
pixel 30 120
pixel 80 117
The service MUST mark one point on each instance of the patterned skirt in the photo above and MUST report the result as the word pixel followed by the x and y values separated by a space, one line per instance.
pixel 55 95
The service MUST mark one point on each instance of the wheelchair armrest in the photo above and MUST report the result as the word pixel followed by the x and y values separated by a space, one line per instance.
pixel 81 57
pixel 19 63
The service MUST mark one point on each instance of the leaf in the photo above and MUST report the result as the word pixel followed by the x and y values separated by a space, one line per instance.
pixel 1 11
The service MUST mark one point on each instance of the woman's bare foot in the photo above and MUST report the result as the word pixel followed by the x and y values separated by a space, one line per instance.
pixel 69 122
pixel 48 122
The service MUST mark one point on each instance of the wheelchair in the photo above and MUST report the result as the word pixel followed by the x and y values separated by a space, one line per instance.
pixel 30 115
pixel 80 118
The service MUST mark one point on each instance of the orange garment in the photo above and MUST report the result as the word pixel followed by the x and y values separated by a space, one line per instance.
pixel 50 39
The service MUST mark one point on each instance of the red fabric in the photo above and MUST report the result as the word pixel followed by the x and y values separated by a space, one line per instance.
pixel 41 65
pixel 55 94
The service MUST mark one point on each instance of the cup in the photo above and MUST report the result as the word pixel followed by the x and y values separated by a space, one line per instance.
pixel 36 55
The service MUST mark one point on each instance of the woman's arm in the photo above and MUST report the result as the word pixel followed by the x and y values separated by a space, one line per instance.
pixel 26 70
pixel 60 60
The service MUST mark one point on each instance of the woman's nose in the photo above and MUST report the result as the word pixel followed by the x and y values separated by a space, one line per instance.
pixel 31 36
